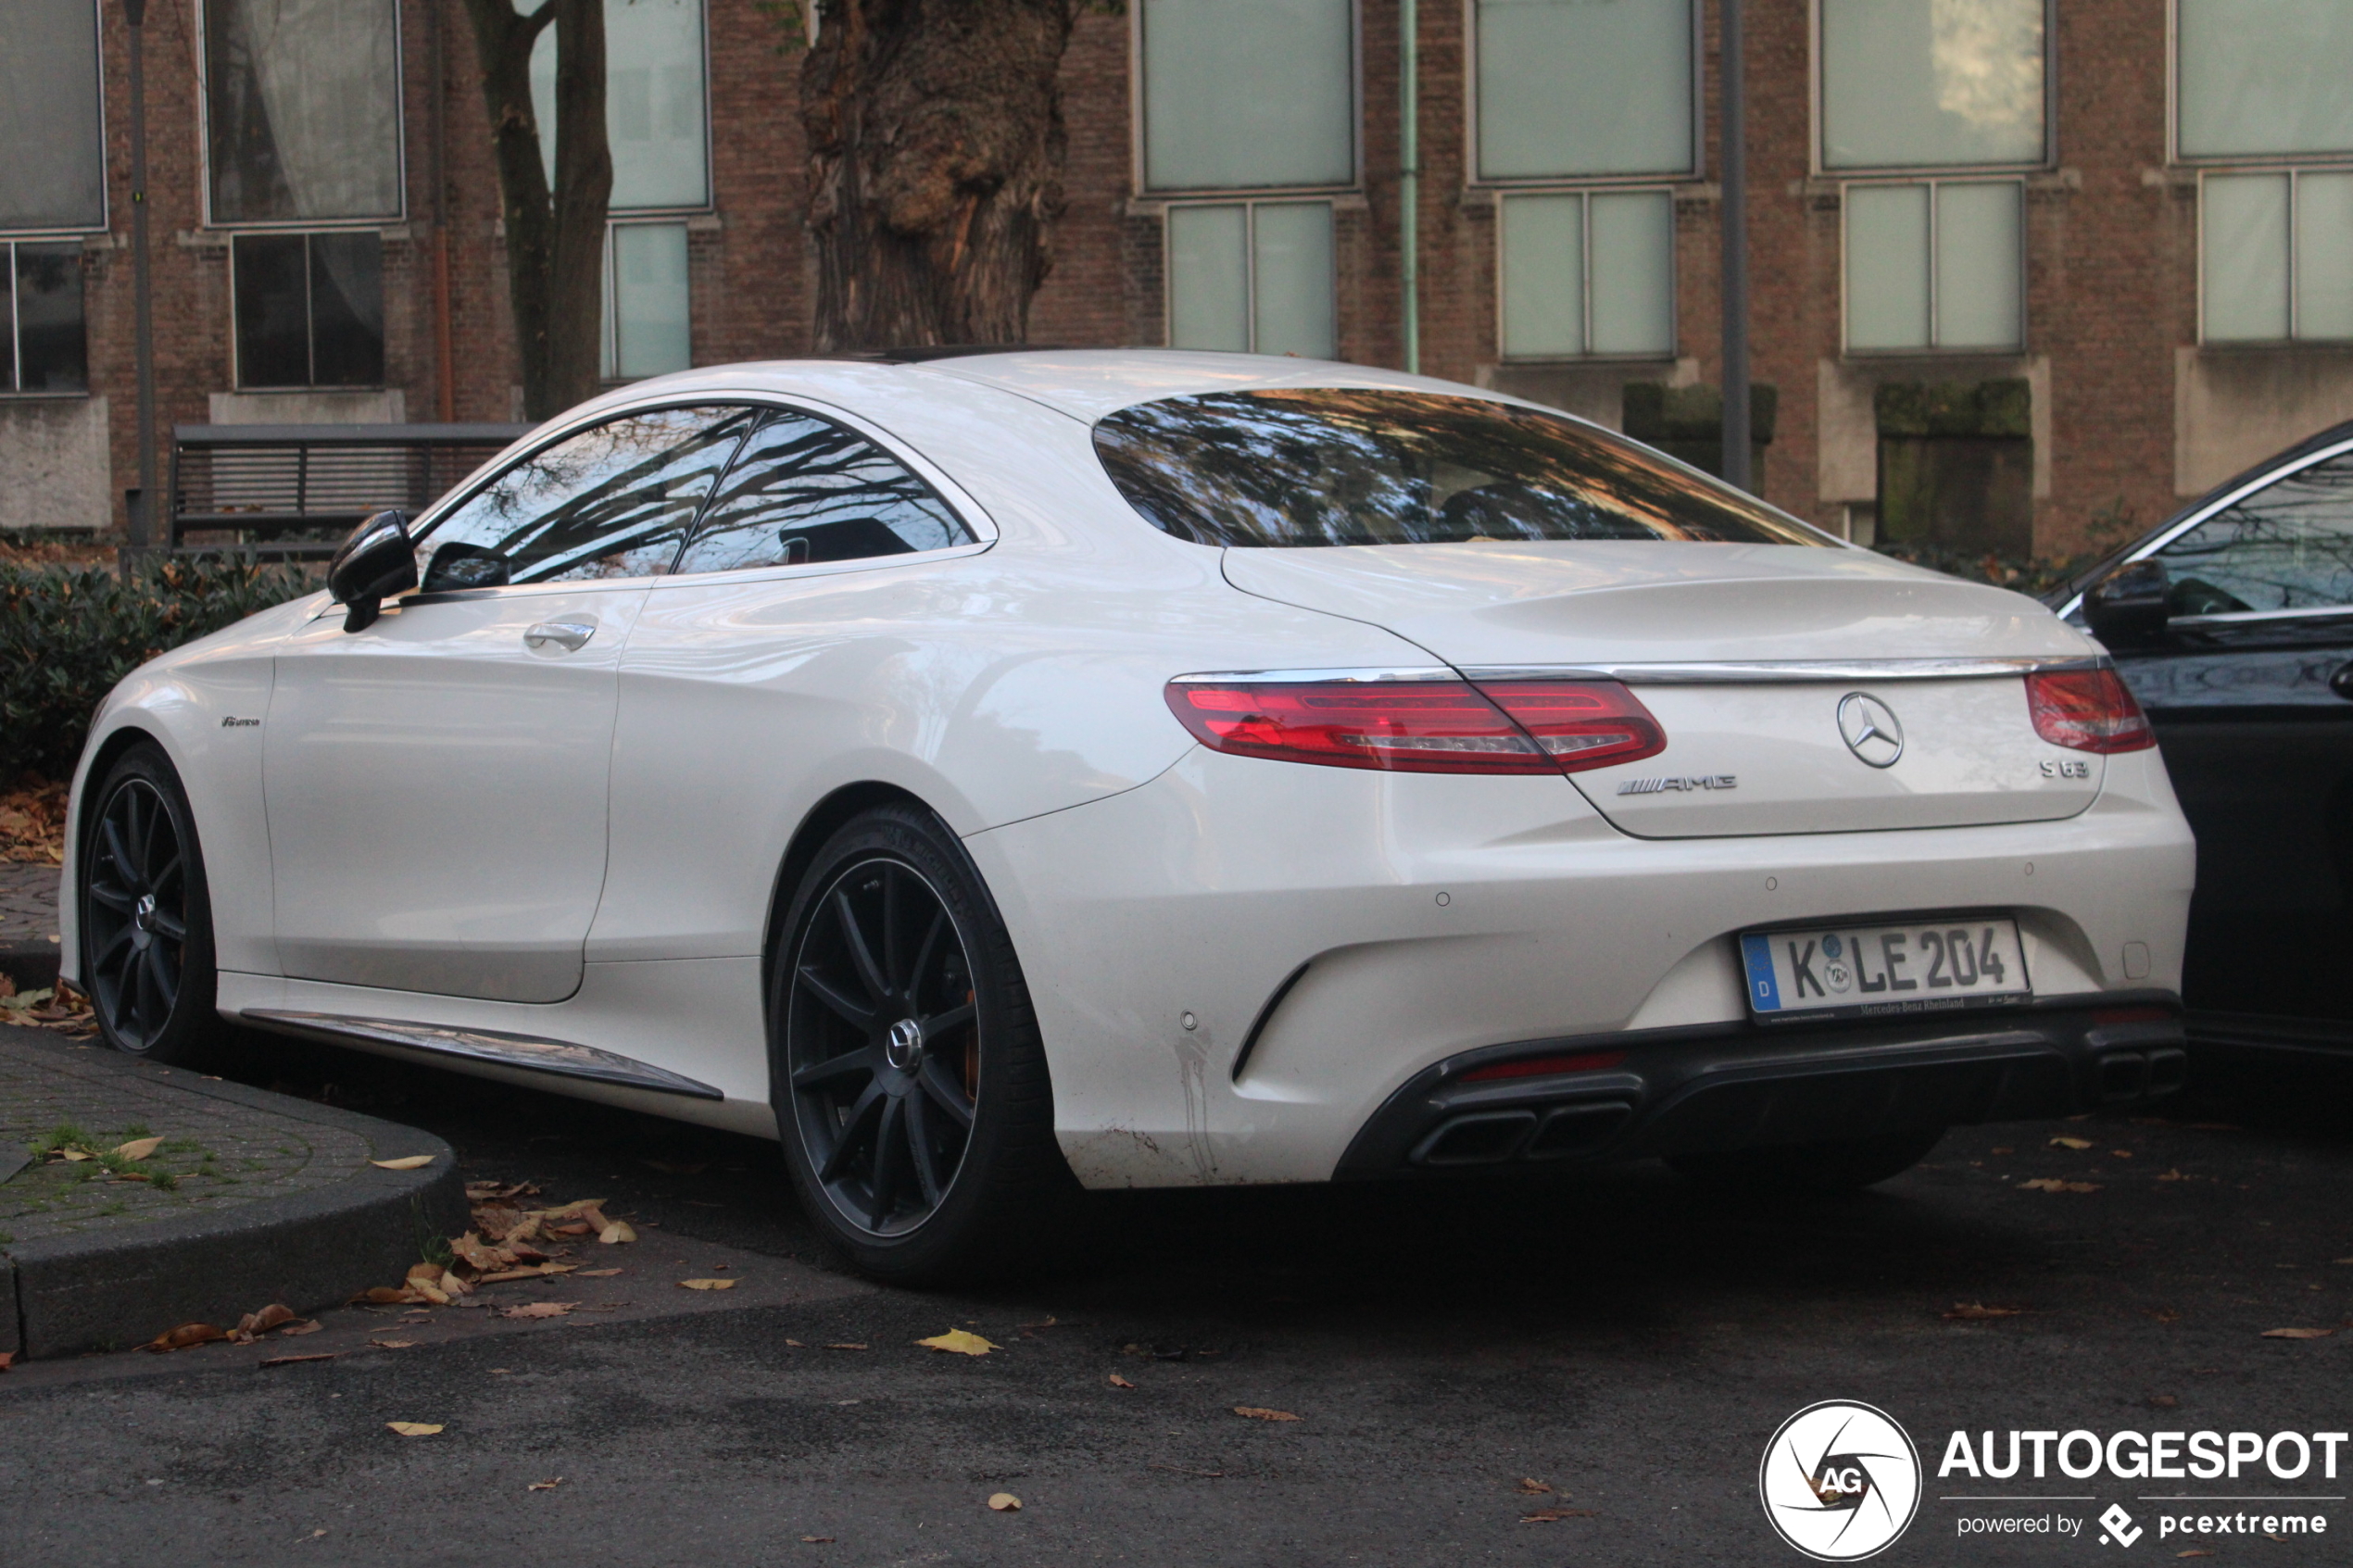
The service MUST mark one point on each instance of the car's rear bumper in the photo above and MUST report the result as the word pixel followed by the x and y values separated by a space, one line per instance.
pixel 1728 1086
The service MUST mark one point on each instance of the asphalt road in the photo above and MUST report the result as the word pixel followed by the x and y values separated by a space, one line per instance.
pixel 1628 1340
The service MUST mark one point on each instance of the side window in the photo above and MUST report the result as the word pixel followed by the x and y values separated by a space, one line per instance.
pixel 2287 546
pixel 806 490
pixel 614 500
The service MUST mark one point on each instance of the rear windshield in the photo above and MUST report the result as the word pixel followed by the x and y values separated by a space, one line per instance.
pixel 1333 466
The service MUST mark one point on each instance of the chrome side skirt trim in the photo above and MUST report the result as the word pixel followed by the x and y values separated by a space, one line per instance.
pixel 1729 673
pixel 527 1051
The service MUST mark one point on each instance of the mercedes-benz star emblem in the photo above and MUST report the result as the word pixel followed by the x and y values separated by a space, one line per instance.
pixel 1870 727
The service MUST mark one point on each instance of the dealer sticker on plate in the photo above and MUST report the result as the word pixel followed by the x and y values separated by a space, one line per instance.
pixel 1860 971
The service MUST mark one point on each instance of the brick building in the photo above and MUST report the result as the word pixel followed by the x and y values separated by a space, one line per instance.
pixel 2021 268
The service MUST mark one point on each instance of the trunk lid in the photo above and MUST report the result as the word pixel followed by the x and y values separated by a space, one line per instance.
pixel 1753 751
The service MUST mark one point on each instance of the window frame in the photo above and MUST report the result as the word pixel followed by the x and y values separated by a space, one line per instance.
pixel 2295 173
pixel 1194 194
pixel 238 382
pixel 1585 193
pixel 1250 204
pixel 608 291
pixel 710 204
pixel 1932 349
pixel 105 182
pixel 302 225
pixel 14 392
pixel 1817 89
pixel 1549 184
pixel 752 400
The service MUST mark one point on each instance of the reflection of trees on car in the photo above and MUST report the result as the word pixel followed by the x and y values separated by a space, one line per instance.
pixel 2287 546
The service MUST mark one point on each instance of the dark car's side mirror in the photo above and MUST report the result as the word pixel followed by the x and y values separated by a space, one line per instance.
pixel 2131 604
pixel 376 562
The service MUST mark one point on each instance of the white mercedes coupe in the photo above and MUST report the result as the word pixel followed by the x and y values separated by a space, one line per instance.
pixel 999 773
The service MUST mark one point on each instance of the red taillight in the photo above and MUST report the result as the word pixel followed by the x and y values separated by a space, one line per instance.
pixel 1422 726
pixel 2087 710
pixel 1545 1066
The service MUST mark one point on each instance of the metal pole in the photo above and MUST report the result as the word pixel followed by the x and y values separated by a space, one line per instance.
pixel 143 510
pixel 1733 69
pixel 1409 181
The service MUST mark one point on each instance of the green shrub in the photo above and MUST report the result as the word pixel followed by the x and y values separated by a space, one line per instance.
pixel 68 634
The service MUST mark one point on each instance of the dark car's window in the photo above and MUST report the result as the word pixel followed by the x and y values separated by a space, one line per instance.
pixel 613 500
pixel 2287 546
pixel 1326 465
pixel 806 490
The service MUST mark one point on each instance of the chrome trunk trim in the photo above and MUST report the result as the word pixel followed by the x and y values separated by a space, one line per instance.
pixel 1788 670
pixel 527 1051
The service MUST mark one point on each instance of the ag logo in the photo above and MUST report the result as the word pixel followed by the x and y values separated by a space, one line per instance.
pixel 1840 1481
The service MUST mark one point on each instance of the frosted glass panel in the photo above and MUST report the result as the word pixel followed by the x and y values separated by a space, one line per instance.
pixel 1544 276
pixel 2324 256
pixel 1569 87
pixel 1209 277
pixel 303 111
pixel 2266 75
pixel 1633 273
pixel 649 327
pixel 1977 267
pixel 654 114
pixel 2244 228
pixel 1887 266
pixel 1923 83
pixel 1294 280
pixel 49 100
pixel 1249 92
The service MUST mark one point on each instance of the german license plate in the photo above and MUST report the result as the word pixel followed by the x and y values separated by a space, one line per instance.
pixel 1863 970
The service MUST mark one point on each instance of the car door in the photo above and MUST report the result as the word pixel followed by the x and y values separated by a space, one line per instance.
pixel 2250 689
pixel 437 783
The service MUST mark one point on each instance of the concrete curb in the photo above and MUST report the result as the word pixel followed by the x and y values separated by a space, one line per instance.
pixel 118 1289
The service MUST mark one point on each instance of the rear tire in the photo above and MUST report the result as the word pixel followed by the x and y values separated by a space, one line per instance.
pixel 145 915
pixel 907 1071
pixel 1813 1167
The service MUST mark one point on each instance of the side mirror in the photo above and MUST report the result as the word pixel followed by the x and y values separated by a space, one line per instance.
pixel 376 562
pixel 2130 606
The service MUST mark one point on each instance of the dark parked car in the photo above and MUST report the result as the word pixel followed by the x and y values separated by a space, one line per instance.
pixel 2233 623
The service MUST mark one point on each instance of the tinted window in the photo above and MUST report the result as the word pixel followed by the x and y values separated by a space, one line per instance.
pixel 612 501
pixel 806 490
pixel 1338 467
pixel 2287 546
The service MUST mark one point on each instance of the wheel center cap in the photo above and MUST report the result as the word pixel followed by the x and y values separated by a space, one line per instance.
pixel 904 1047
pixel 143 914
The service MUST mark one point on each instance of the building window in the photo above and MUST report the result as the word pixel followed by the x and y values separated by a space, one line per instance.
pixel 1252 277
pixel 646 323
pixel 1242 94
pixel 40 322
pixel 1588 272
pixel 49 99
pixel 309 309
pixel 2264 81
pixel 302 109
pixel 1568 89
pixel 656 118
pixel 1934 264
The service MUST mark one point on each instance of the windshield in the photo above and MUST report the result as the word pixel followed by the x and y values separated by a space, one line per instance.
pixel 1333 466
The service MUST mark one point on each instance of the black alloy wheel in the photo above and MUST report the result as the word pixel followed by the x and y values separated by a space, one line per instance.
pixel 909 1079
pixel 146 926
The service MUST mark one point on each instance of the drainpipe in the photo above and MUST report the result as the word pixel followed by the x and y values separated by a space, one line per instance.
pixel 143 506
pixel 444 365
pixel 1409 179
pixel 1735 135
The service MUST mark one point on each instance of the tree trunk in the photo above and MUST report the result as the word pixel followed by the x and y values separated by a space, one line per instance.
pixel 934 167
pixel 555 241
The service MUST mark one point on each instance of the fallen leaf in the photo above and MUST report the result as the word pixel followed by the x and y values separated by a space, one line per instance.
pixel 394 1344
pixel 708 1284
pixel 795 1345
pixel 386 1294
pixel 2173 1175
pixel 139 1148
pixel 812 1540
pixel 1259 1413
pixel 2070 1143
pixel 1119 1382
pixel 845 1347
pixel 1975 1312
pixel 1555 1515
pixel 548 1485
pixel 599 1273
pixel 959 1341
pixel 2298 1333
pixel 186 1336
pixel 73 1154
pixel 7 1360
pixel 2193 1551
pixel 1004 1503
pixel 1533 1488
pixel 2164 1402
pixel 2121 1153
pixel 537 1271
pixel 290 1360
pixel 539 1310
pixel 2052 1183
pixel 2003 1150
pixel 415 1428
pixel 2333 1259
pixel 616 1233
pixel 276 1315
pixel 406 1163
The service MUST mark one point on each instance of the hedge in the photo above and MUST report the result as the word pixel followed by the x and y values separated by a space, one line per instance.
pixel 68 634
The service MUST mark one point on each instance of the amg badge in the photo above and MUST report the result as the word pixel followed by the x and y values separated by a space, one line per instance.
pixel 1699 781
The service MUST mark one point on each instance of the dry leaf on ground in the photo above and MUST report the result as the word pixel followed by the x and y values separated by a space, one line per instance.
pixel 2193 1551
pixel 616 1233
pixel 32 824
pixel 1533 1488
pixel 599 1273
pixel 708 1284
pixel 2052 1183
pixel 1004 1503
pixel 406 1163
pixel 1555 1515
pixel 187 1335
pixel 845 1346
pixel 394 1344
pixel 816 1540
pixel 1119 1382
pixel 2070 1143
pixel 959 1342
pixel 2298 1333
pixel 1973 1311
pixel 539 1310
pixel 253 1325
pixel 548 1485
pixel 1259 1413
pixel 415 1428
pixel 138 1148
pixel 7 1360
pixel 290 1361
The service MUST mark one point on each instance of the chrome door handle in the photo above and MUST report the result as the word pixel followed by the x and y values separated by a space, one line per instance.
pixel 566 635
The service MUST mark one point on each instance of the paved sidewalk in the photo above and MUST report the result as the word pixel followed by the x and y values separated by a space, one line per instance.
pixel 28 924
pixel 253 1197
